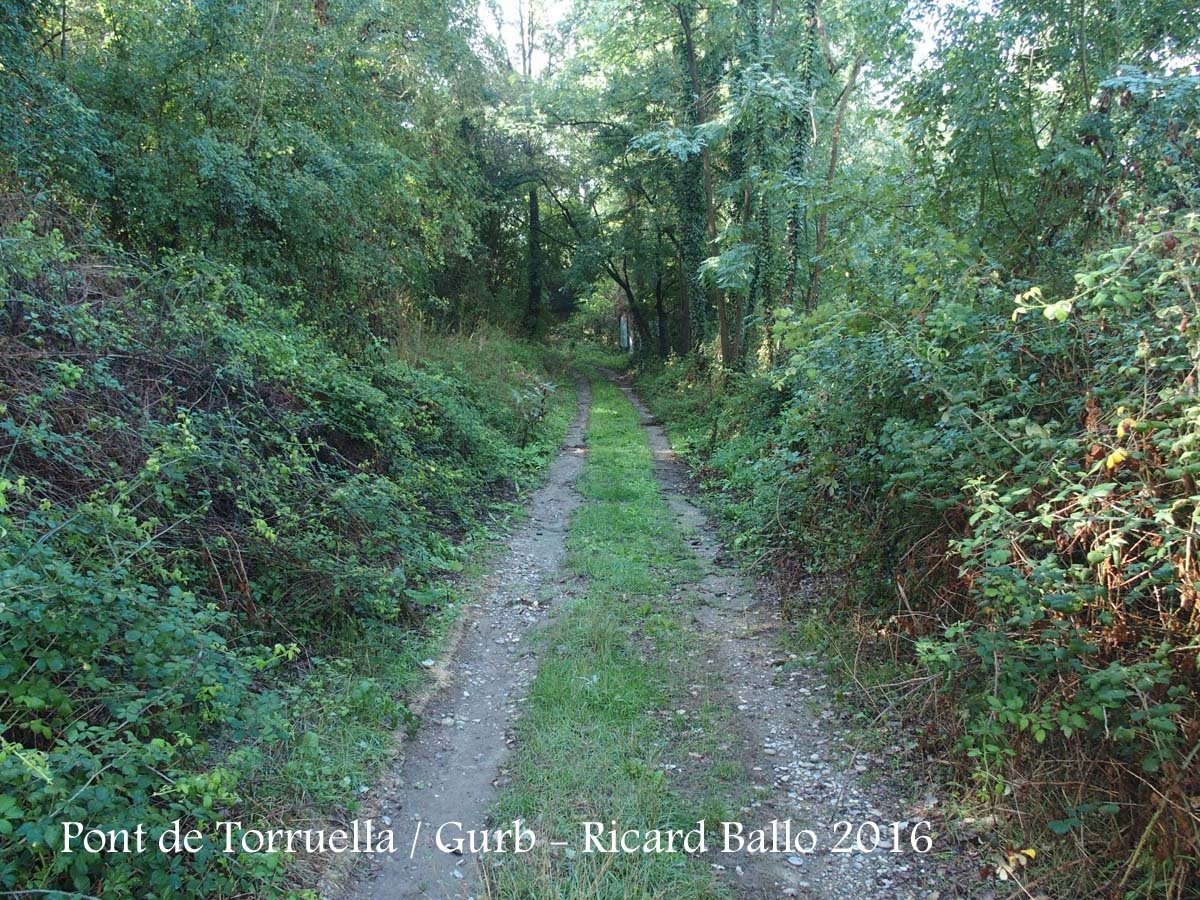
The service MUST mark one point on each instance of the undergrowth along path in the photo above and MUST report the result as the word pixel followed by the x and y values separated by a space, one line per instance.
pixel 807 760
pixel 452 765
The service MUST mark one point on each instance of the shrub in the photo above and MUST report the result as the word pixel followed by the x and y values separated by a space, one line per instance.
pixel 1006 491
pixel 197 493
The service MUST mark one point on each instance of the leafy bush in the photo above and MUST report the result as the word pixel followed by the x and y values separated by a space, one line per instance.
pixel 197 493
pixel 999 476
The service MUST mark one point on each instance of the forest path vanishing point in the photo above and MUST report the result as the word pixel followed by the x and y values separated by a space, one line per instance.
pixel 792 751
pixel 452 766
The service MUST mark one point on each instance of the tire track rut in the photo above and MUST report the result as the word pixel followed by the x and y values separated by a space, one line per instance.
pixel 451 768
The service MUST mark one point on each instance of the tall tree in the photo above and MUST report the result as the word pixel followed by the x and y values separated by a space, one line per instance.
pixel 695 116
pixel 534 305
pixel 801 142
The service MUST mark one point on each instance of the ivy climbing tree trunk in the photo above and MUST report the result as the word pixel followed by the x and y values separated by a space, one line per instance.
pixel 835 140
pixel 533 309
pixel 756 211
pixel 660 316
pixel 696 115
pixel 685 303
pixel 798 155
pixel 533 238
pixel 690 202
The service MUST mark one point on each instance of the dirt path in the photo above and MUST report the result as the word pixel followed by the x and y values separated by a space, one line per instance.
pixel 802 757
pixel 452 766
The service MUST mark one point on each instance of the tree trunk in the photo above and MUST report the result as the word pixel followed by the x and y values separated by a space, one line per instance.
pixel 835 138
pixel 685 306
pixel 533 311
pixel 639 322
pixel 699 117
pixel 660 315
pixel 798 158
pixel 690 202
pixel 756 29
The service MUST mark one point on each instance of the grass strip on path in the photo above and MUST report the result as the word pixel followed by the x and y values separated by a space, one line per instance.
pixel 612 732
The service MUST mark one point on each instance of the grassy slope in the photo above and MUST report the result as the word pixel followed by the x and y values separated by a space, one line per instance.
pixel 344 703
pixel 225 551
